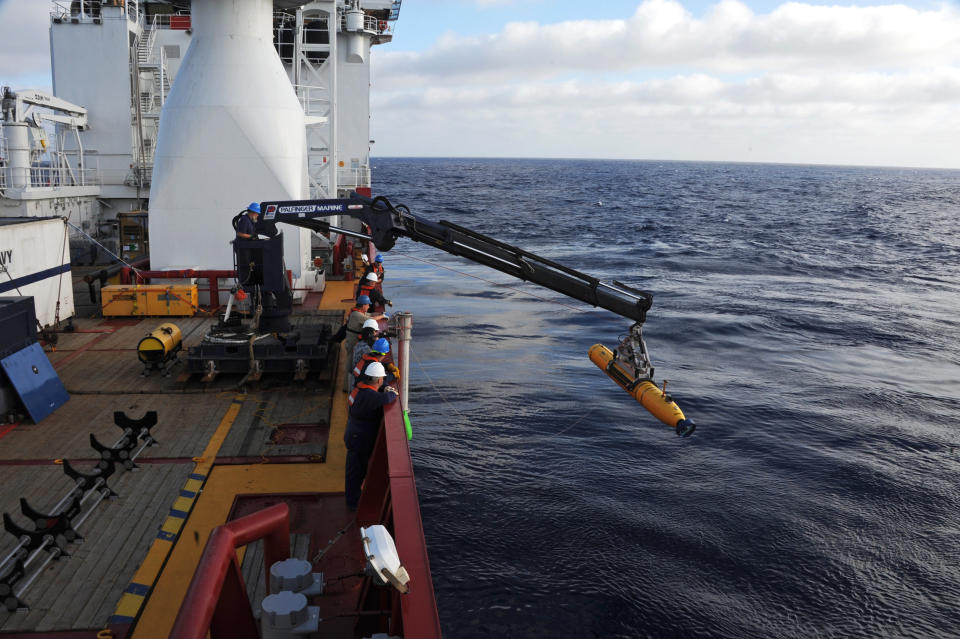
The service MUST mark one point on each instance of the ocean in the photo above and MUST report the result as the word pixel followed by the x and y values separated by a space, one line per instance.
pixel 806 318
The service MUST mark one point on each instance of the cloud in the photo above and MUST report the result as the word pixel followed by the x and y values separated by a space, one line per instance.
pixel 661 34
pixel 802 83
pixel 24 45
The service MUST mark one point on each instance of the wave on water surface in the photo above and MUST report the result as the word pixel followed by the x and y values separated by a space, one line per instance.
pixel 804 316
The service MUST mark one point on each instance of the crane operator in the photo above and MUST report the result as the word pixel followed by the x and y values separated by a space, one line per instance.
pixel 247 224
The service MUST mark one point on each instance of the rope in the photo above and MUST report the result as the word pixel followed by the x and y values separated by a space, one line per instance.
pixel 477 277
pixel 81 232
pixel 63 249
pixel 336 538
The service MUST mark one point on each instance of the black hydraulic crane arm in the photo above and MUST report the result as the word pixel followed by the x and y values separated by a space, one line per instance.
pixel 387 222
pixel 628 365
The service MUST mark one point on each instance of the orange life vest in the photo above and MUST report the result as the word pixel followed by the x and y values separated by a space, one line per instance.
pixel 356 390
pixel 363 362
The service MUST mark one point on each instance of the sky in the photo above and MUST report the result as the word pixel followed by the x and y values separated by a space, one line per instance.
pixel 865 82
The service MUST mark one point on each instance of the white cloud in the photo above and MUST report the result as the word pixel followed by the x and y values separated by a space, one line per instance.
pixel 803 83
pixel 661 34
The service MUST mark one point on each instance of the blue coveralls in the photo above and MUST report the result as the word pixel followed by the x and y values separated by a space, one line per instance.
pixel 246 225
pixel 366 414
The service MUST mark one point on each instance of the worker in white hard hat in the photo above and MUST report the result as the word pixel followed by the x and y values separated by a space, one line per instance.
pixel 363 426
pixel 359 315
pixel 375 267
pixel 368 335
pixel 368 287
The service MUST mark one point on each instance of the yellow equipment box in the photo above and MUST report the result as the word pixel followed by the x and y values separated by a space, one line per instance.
pixel 156 300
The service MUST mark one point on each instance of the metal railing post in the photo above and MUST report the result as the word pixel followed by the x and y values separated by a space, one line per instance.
pixel 404 336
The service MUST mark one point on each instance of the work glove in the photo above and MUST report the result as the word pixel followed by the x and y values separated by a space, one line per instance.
pixel 393 370
pixel 389 303
pixel 391 389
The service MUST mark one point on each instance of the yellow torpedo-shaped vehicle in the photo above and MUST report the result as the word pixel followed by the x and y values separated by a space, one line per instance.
pixel 654 399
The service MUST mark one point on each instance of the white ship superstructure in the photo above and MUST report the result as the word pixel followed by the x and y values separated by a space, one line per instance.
pixel 190 110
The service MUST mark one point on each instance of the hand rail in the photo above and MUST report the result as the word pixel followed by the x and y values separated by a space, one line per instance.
pixel 216 601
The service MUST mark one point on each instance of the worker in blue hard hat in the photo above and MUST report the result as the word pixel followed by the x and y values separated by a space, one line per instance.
pixel 363 426
pixel 377 352
pixel 247 224
pixel 368 336
pixel 376 267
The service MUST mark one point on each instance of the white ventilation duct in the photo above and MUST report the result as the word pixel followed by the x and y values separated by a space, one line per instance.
pixel 231 132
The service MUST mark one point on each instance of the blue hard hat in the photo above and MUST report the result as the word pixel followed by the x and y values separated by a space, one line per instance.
pixel 379 258
pixel 363 299
pixel 382 345
pixel 254 207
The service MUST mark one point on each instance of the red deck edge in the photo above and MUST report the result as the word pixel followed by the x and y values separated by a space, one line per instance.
pixel 390 498
pixel 216 602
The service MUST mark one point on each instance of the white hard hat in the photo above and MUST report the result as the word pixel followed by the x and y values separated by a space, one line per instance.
pixel 372 277
pixel 371 323
pixel 375 369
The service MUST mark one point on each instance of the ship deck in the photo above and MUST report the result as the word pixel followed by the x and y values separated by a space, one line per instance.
pixel 223 452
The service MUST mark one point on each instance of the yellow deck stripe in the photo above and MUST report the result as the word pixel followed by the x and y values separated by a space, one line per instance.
pixel 224 483
pixel 130 603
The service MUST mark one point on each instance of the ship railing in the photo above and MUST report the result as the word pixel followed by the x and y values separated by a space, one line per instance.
pixel 179 20
pixel 314 100
pixel 216 604
pixel 371 24
pixel 3 163
pixel 311 36
pixel 43 176
pixel 92 10
pixel 353 177
pixel 389 498
pixel 149 47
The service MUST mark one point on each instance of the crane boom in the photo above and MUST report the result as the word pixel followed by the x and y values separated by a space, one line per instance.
pixel 629 365
pixel 387 222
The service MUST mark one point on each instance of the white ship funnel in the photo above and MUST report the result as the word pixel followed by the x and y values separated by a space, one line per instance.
pixel 231 132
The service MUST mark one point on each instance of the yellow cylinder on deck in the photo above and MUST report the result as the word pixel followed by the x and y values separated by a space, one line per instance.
pixel 160 345
pixel 646 392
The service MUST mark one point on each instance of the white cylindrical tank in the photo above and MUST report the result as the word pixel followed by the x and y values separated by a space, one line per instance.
pixel 354 19
pixel 357 41
pixel 18 146
pixel 231 132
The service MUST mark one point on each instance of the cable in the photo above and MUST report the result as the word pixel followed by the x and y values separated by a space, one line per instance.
pixel 63 249
pixel 79 230
pixel 335 539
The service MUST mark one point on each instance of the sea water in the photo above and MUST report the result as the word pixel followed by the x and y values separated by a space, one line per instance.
pixel 806 318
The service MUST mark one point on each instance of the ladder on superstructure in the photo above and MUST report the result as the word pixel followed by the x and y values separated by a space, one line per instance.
pixel 314 78
pixel 150 97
